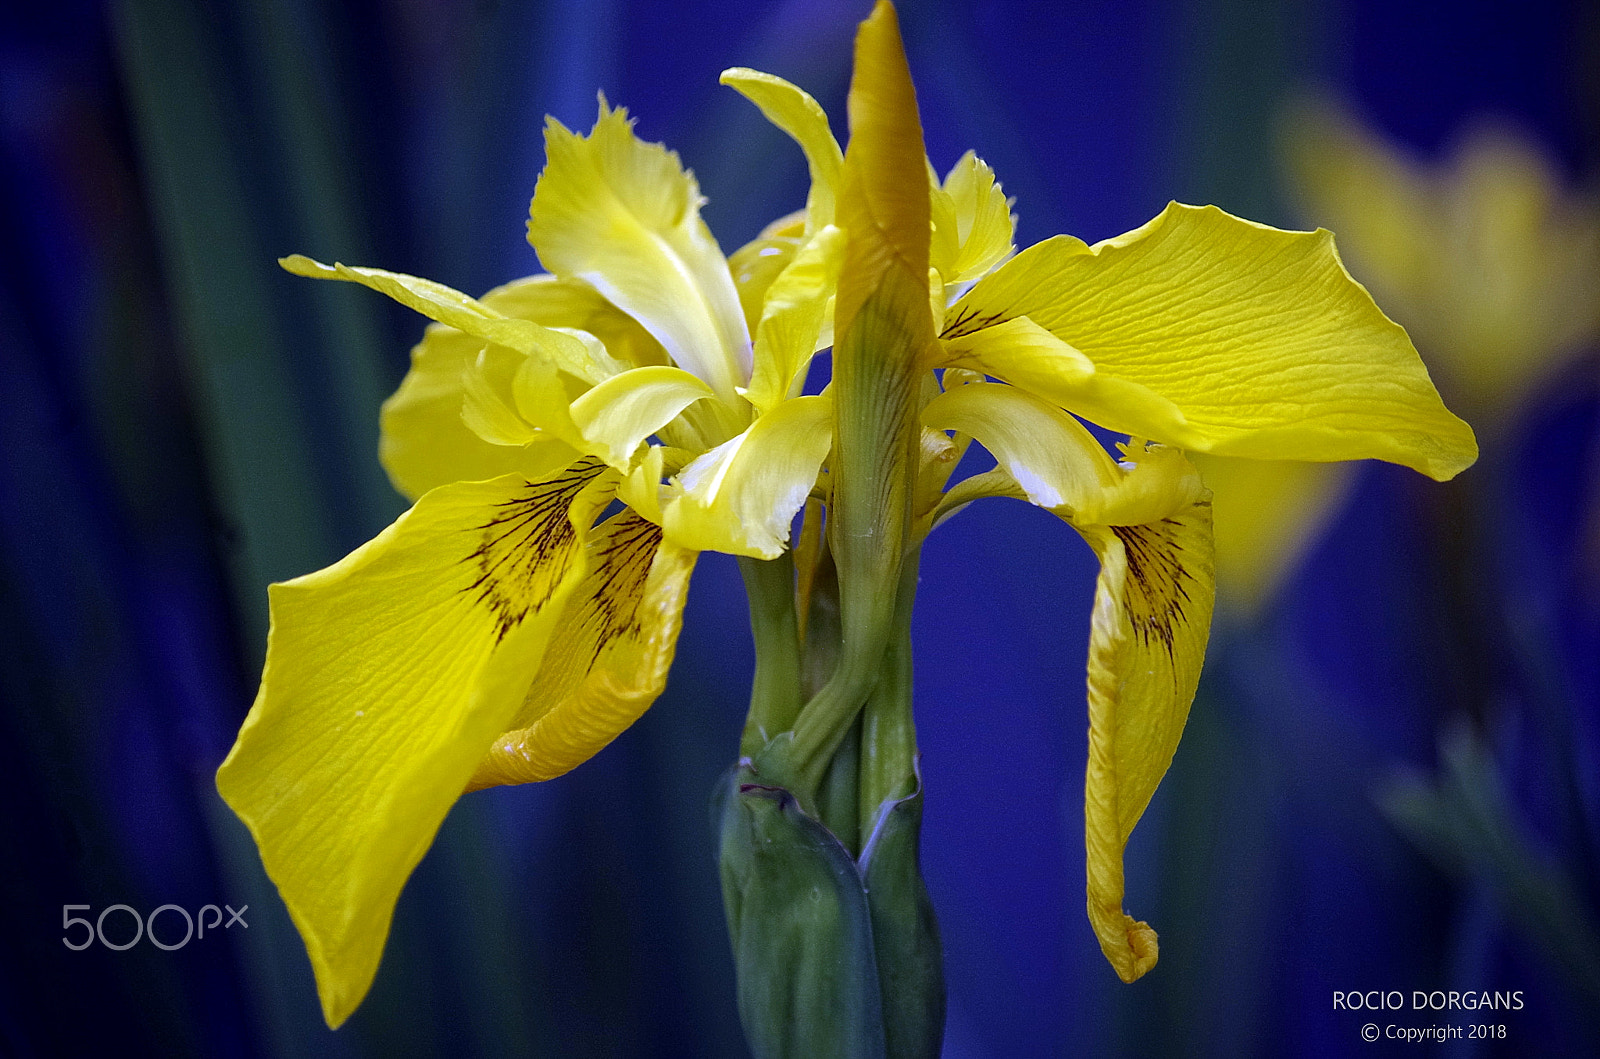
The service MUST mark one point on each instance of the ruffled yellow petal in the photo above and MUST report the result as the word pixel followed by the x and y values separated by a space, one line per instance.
pixel 1268 514
pixel 624 216
pixel 978 216
pixel 1258 337
pixel 797 114
pixel 793 318
pixel 388 676
pixel 608 660
pixel 1152 614
pixel 742 495
pixel 616 416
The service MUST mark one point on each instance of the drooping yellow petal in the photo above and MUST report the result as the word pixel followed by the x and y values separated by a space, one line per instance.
pixel 616 416
pixel 980 221
pixel 797 114
pixel 388 676
pixel 624 216
pixel 1259 337
pixel 607 662
pixel 742 495
pixel 1151 618
pixel 793 318
pixel 1268 513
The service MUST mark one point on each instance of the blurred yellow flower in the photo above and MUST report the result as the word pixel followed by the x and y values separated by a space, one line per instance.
pixel 1489 263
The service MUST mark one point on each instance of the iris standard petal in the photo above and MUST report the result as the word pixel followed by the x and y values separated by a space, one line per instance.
pixel 388 676
pixel 1258 336
pixel 608 660
pixel 1151 618
pixel 796 113
pixel 742 495
pixel 980 221
pixel 793 317
pixel 624 216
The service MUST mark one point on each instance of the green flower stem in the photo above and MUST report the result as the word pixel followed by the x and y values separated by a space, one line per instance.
pixel 775 692
pixel 888 744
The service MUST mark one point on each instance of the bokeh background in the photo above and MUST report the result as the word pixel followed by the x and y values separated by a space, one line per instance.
pixel 1391 779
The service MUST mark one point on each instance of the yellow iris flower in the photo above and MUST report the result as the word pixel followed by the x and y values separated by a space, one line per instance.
pixel 498 633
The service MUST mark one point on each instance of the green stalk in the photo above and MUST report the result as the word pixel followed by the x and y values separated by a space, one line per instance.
pixel 775 692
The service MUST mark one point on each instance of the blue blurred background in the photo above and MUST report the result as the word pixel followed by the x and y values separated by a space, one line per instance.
pixel 1385 786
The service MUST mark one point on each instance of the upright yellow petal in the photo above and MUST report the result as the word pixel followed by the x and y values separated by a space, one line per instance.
pixel 388 677
pixel 607 662
pixel 1151 618
pixel 797 114
pixel 1258 337
pixel 981 222
pixel 742 495
pixel 884 207
pixel 624 216
pixel 793 318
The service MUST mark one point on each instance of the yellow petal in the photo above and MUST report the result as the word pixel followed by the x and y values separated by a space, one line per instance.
pixel 797 114
pixel 488 406
pixel 1056 461
pixel 1152 614
pixel 424 441
pixel 388 676
pixel 742 495
pixel 624 216
pixel 450 306
pixel 980 220
pixel 574 305
pixel 755 266
pixel 1259 337
pixel 607 662
pixel 616 416
pixel 795 308
pixel 1268 514
pixel 640 489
